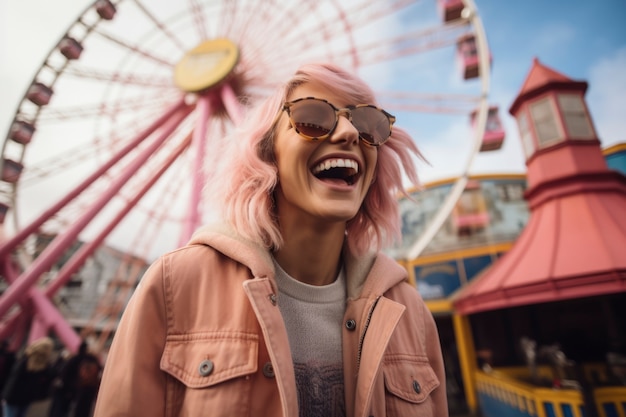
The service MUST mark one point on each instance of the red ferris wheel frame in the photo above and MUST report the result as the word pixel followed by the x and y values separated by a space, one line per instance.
pixel 27 305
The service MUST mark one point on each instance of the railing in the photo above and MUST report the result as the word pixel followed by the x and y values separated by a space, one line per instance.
pixel 504 393
pixel 502 396
pixel 611 401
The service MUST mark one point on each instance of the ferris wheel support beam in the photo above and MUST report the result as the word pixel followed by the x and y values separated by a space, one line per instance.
pixel 77 260
pixel 232 104
pixel 10 245
pixel 197 180
pixel 17 331
pixel 47 316
pixel 63 241
pixel 44 316
pixel 21 317
pixel 116 307
pixel 481 120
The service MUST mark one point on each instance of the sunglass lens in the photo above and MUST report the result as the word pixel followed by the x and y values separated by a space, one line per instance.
pixel 373 125
pixel 313 118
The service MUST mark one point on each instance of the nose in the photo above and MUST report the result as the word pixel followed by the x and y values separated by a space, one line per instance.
pixel 345 130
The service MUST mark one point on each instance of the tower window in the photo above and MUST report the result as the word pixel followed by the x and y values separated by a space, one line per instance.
pixel 545 120
pixel 575 116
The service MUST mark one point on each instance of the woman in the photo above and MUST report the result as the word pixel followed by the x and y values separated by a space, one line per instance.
pixel 30 379
pixel 288 308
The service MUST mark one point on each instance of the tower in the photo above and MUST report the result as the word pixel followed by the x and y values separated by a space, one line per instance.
pixel 573 245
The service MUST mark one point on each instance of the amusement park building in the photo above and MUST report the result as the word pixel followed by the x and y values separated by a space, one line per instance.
pixel 485 224
pixel 527 277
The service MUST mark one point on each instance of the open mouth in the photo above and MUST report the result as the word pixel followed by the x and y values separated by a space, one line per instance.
pixel 337 169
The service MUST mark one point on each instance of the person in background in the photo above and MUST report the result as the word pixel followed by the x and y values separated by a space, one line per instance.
pixel 77 386
pixel 7 360
pixel 288 307
pixel 61 397
pixel 30 378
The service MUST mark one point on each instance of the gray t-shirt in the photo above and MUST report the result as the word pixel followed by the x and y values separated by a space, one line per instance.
pixel 313 316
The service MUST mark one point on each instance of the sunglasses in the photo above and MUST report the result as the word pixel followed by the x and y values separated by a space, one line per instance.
pixel 316 119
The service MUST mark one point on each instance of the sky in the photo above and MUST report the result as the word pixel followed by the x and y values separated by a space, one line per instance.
pixel 582 39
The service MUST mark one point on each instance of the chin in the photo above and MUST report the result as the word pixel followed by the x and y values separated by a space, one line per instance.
pixel 341 216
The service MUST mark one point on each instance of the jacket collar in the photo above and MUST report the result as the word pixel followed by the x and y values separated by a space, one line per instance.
pixel 368 275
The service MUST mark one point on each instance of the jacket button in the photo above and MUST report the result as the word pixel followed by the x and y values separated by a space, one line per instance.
pixel 417 387
pixel 268 370
pixel 205 368
pixel 351 324
pixel 272 298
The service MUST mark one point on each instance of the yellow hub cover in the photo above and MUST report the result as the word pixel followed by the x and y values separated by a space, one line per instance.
pixel 206 65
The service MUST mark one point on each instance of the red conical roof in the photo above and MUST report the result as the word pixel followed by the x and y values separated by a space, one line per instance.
pixel 539 75
pixel 539 79
pixel 574 246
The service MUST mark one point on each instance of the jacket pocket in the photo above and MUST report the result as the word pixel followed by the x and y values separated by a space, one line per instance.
pixel 207 359
pixel 409 380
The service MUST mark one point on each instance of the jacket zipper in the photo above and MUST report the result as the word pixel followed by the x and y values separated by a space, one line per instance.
pixel 367 323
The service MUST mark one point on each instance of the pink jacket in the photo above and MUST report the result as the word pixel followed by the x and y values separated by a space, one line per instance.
pixel 203 335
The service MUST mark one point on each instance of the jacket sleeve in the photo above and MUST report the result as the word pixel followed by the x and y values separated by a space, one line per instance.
pixel 132 382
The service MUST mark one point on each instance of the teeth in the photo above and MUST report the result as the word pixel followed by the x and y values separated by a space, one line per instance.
pixel 336 163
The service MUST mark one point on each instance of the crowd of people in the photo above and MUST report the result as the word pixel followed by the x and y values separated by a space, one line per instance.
pixel 42 372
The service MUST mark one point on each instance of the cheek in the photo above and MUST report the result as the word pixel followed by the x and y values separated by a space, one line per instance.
pixel 371 158
pixel 291 165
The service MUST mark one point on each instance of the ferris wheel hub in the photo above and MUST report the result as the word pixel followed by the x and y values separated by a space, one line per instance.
pixel 206 65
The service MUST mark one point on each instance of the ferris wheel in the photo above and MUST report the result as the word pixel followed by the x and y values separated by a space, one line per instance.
pixel 116 135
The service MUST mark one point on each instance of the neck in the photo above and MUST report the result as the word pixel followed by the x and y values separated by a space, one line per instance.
pixel 311 254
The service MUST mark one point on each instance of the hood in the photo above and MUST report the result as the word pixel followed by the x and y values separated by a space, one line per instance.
pixel 368 275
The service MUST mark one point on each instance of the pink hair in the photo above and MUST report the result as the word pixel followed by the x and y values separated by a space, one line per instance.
pixel 246 175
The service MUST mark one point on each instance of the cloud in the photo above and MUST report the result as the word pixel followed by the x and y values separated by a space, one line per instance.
pixel 606 97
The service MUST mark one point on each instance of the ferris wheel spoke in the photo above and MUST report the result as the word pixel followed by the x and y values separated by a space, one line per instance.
pixel 373 11
pixel 135 79
pixel 107 109
pixel 162 27
pixel 198 19
pixel 57 163
pixel 429 103
pixel 71 157
pixel 133 48
pixel 244 18
pixel 226 12
pixel 274 31
pixel 238 27
pixel 410 44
